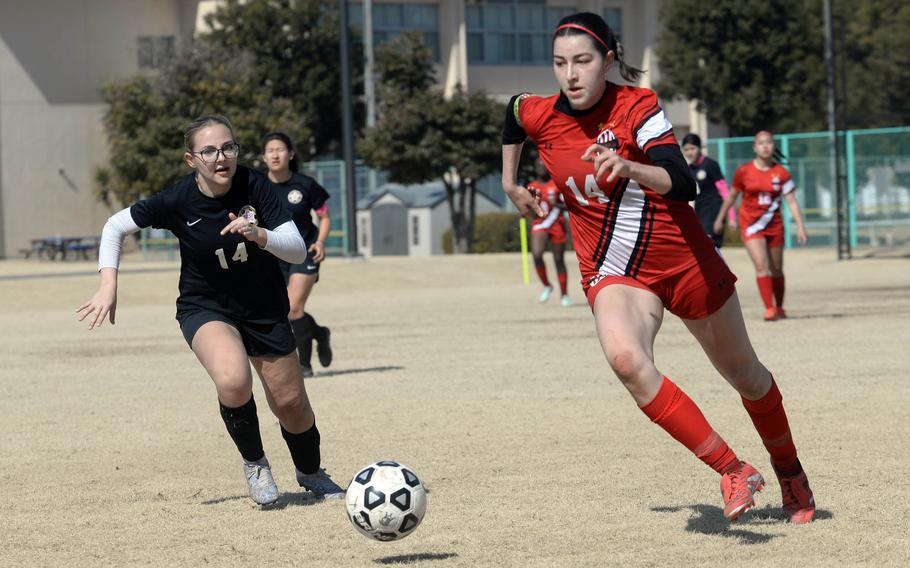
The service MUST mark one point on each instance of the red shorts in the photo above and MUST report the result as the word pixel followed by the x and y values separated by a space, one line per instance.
pixel 694 293
pixel 556 232
pixel 774 235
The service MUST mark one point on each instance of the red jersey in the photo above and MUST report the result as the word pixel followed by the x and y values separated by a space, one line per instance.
pixel 762 191
pixel 551 202
pixel 621 228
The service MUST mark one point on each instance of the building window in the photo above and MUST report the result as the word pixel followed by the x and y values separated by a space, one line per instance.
pixel 613 17
pixel 512 31
pixel 390 20
pixel 415 230
pixel 155 51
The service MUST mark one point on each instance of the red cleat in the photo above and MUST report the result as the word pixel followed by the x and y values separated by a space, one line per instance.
pixel 738 487
pixel 771 314
pixel 799 503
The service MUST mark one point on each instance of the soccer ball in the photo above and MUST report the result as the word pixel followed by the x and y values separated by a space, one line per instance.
pixel 386 500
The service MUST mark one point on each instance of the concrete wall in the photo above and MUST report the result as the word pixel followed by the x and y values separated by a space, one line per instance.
pixel 54 57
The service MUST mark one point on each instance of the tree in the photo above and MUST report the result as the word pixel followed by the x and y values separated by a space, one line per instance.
pixel 147 115
pixel 295 47
pixel 877 52
pixel 421 136
pixel 750 65
pixel 760 65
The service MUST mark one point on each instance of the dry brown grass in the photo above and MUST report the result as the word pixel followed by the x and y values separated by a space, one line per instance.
pixel 114 453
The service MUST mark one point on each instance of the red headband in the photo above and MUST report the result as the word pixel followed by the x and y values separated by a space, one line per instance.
pixel 586 30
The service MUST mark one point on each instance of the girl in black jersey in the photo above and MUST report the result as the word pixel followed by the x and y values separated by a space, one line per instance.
pixel 232 307
pixel 301 196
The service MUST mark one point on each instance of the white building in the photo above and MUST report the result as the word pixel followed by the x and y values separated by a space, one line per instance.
pixel 408 220
pixel 56 54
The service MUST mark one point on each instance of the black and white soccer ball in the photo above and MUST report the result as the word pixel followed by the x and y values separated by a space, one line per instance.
pixel 386 500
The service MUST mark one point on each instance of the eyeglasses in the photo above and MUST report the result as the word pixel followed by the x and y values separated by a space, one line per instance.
pixel 209 154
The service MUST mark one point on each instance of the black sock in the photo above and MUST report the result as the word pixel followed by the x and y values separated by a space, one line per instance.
pixel 243 426
pixel 304 448
pixel 303 333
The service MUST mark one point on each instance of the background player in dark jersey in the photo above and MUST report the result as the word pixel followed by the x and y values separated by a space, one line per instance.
pixel 301 196
pixel 641 250
pixel 763 183
pixel 551 228
pixel 232 306
pixel 712 187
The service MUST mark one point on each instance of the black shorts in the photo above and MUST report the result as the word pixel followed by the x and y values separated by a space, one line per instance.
pixel 262 338
pixel 308 266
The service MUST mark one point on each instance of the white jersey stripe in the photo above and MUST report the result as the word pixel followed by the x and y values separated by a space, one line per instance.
pixel 548 220
pixel 789 186
pixel 654 127
pixel 762 222
pixel 625 231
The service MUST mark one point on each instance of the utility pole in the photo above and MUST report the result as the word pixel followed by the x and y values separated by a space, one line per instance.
pixel 347 133
pixel 838 176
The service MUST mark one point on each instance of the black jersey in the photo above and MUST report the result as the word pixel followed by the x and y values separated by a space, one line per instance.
pixel 224 273
pixel 707 173
pixel 301 195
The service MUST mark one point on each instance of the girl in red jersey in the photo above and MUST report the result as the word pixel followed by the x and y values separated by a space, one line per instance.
pixel 763 182
pixel 551 227
pixel 641 249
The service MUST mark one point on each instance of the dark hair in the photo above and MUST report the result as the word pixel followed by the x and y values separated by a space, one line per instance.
pixel 603 39
pixel 204 122
pixel 692 139
pixel 286 140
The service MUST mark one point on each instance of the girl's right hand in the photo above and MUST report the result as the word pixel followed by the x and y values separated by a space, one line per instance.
pixel 527 201
pixel 719 227
pixel 103 303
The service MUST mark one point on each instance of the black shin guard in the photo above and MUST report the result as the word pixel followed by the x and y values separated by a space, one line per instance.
pixel 243 426
pixel 304 448
pixel 304 329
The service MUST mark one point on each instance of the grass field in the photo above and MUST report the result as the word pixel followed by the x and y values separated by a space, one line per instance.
pixel 114 452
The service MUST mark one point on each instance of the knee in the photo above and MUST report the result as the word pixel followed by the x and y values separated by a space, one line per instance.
pixel 288 408
pixel 296 311
pixel 628 364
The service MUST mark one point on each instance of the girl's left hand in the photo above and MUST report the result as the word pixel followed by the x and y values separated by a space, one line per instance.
pixel 242 227
pixel 801 235
pixel 606 160
pixel 318 251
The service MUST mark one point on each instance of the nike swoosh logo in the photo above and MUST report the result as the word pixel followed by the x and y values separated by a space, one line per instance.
pixel 188 224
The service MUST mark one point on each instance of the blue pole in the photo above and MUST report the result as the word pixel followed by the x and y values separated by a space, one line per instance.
pixel 788 218
pixel 851 189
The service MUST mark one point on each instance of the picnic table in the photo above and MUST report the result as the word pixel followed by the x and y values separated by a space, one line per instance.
pixel 63 248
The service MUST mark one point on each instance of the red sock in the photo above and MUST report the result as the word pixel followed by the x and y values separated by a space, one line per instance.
pixel 563 283
pixel 542 273
pixel 770 420
pixel 766 289
pixel 779 291
pixel 676 413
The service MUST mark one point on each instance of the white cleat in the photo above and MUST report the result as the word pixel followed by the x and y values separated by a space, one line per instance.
pixel 545 294
pixel 263 490
pixel 320 485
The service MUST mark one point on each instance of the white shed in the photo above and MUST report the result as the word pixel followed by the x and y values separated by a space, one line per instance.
pixel 408 220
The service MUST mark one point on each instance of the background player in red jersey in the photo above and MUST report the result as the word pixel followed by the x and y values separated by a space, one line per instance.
pixel 549 228
pixel 641 249
pixel 762 183
pixel 232 307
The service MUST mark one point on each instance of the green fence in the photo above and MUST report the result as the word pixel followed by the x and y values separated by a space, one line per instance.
pixel 878 182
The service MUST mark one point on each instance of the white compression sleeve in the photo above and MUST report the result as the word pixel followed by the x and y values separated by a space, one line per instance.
pixel 286 243
pixel 119 225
